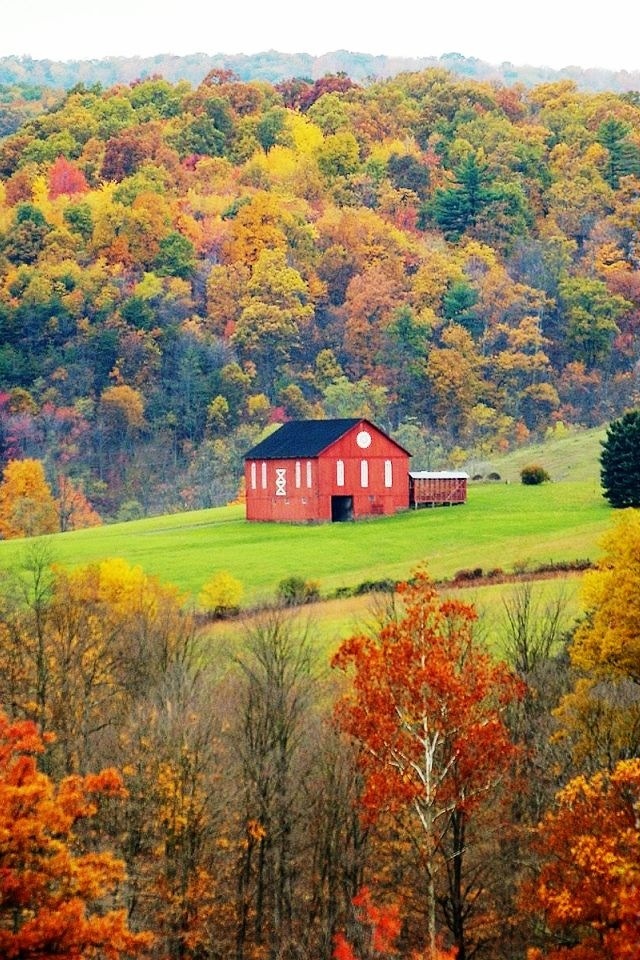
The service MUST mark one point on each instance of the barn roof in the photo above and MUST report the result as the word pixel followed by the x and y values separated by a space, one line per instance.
pixel 304 438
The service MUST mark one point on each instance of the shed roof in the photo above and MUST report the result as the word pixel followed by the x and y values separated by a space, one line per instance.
pixel 305 438
pixel 438 475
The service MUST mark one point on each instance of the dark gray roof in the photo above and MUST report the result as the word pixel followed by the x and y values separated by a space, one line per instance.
pixel 308 438
pixel 301 438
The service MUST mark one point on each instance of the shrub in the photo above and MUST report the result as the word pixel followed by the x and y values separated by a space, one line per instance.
pixel 130 510
pixel 221 595
pixel 294 591
pixel 375 586
pixel 473 574
pixel 533 475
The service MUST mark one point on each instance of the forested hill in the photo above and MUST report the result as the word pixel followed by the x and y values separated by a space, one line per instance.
pixel 273 66
pixel 181 266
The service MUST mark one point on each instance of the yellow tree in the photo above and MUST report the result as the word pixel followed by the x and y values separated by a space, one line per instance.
pixel 600 717
pixel 79 647
pixel 276 308
pixel 455 374
pixel 608 642
pixel 27 505
pixel 221 594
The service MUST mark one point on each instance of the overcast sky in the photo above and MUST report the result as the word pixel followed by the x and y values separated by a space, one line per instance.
pixel 553 33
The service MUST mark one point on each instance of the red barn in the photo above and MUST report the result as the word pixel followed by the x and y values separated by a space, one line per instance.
pixel 321 470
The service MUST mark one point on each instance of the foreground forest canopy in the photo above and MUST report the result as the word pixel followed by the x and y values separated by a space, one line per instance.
pixel 163 794
pixel 183 266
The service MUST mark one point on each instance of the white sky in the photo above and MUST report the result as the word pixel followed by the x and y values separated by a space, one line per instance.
pixel 553 33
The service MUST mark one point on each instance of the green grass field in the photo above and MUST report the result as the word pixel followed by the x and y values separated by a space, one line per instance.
pixel 500 526
pixel 503 524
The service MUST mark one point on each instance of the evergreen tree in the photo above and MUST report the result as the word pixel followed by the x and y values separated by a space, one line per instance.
pixel 620 461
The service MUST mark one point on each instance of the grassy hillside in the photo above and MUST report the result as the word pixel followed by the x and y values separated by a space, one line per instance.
pixel 503 524
pixel 569 455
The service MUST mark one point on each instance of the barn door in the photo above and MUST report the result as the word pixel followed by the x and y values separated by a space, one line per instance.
pixel 341 509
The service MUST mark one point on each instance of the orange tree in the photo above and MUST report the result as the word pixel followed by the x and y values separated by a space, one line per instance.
pixel 53 900
pixel 427 704
pixel 588 886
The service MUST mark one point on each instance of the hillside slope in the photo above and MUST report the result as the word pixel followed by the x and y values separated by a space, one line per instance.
pixel 182 268
pixel 504 524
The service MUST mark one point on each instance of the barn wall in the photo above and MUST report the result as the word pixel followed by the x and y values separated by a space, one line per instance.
pixel 280 497
pixel 375 497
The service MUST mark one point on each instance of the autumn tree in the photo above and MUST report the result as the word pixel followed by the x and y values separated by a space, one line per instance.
pixel 607 641
pixel 427 706
pixel 221 594
pixel 65 179
pixel 591 318
pixel 455 373
pixel 276 309
pixel 377 930
pixel 275 699
pixel 120 421
pixel 175 840
pixel 599 719
pixel 587 888
pixel 27 505
pixel 78 648
pixel 54 900
pixel 74 510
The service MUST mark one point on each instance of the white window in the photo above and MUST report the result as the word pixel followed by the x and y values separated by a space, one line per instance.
pixel 364 473
pixel 298 475
pixel 264 475
pixel 309 478
pixel 254 482
pixel 340 473
pixel 388 473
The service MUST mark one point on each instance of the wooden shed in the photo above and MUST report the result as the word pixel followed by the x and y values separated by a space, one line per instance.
pixel 326 470
pixel 437 488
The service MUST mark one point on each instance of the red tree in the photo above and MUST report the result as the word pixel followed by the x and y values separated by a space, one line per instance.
pixel 379 927
pixel 427 705
pixel 65 178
